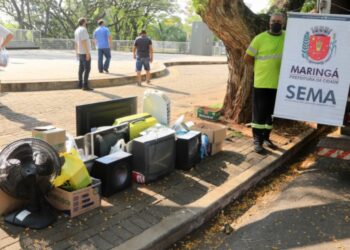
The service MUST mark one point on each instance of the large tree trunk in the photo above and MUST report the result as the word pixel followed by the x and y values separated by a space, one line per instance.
pixel 234 23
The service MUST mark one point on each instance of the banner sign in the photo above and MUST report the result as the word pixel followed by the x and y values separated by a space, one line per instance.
pixel 315 73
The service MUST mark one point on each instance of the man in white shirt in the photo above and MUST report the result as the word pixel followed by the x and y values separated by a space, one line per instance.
pixel 5 37
pixel 83 51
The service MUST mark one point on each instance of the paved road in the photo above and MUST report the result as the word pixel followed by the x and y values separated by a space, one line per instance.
pixel 70 54
pixel 186 86
pixel 311 212
pixel 58 65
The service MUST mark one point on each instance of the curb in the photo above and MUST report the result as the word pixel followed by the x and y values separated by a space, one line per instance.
pixel 194 215
pixel 96 83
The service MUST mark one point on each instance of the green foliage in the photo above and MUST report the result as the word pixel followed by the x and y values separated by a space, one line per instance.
pixel 168 29
pixel 200 5
pixel 58 19
pixel 309 5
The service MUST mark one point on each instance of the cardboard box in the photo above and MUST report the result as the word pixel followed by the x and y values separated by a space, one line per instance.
pixel 208 113
pixel 216 148
pixel 215 132
pixel 53 136
pixel 76 202
pixel 9 204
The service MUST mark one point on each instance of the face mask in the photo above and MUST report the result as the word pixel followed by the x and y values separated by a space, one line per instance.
pixel 276 28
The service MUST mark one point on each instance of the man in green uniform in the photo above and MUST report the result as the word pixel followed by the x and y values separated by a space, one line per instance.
pixel 265 53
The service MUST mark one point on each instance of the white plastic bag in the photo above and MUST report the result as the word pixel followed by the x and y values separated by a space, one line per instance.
pixel 4 58
pixel 119 146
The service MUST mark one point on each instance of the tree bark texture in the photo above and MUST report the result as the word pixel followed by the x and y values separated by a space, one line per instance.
pixel 236 25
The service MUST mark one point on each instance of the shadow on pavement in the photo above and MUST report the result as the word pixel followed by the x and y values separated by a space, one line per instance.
pixel 312 211
pixel 118 215
pixel 289 228
pixel 188 186
pixel 179 188
pixel 28 122
pixel 109 96
pixel 164 89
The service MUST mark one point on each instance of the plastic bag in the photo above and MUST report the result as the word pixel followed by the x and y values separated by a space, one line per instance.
pixel 4 58
pixel 177 125
pixel 74 174
pixel 204 150
pixel 119 146
pixel 72 145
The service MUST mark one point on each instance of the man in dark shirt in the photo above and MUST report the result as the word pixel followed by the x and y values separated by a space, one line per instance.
pixel 143 53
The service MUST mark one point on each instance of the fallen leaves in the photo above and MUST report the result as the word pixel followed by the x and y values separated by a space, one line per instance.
pixel 223 224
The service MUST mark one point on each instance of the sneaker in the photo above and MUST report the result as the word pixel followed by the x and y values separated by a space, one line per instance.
pixel 87 88
pixel 138 83
pixel 270 144
pixel 106 70
pixel 259 149
pixel 101 72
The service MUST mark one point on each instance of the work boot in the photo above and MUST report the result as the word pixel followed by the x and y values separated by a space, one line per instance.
pixel 267 140
pixel 258 141
pixel 270 144
pixel 259 149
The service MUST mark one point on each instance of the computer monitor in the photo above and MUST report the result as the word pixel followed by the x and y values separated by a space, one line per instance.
pixel 100 142
pixel 100 114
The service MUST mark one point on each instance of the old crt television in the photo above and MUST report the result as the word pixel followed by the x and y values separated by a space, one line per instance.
pixel 100 114
pixel 153 155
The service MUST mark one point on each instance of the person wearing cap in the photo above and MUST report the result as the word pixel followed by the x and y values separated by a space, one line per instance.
pixel 103 42
pixel 265 53
pixel 83 51
pixel 143 53
pixel 5 37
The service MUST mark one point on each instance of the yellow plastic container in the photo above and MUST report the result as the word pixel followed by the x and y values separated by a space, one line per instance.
pixel 137 123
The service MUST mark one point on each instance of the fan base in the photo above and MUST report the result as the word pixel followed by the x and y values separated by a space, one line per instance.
pixel 34 220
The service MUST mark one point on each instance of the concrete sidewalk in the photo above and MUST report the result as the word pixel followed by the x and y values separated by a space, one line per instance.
pixel 156 215
pixel 144 216
pixel 37 70
pixel 304 206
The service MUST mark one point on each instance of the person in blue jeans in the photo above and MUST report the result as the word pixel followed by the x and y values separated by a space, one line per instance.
pixel 83 52
pixel 103 42
pixel 143 53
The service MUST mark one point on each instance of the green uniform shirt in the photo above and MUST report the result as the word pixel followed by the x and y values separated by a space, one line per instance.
pixel 267 52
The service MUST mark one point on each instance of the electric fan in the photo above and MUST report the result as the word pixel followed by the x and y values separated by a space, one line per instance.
pixel 27 168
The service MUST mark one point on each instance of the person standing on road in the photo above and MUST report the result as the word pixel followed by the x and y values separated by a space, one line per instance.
pixel 143 53
pixel 265 53
pixel 5 37
pixel 103 42
pixel 83 51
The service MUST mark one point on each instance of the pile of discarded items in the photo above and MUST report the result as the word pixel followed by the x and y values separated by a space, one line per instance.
pixel 114 147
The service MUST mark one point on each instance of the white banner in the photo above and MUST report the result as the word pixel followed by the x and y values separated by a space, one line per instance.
pixel 315 73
